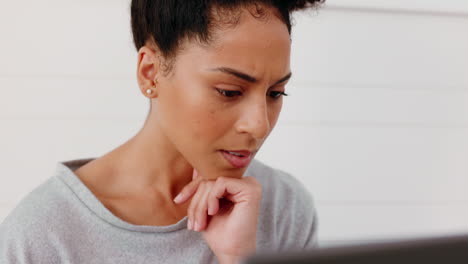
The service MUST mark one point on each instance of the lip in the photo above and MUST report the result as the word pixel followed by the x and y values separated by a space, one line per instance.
pixel 238 162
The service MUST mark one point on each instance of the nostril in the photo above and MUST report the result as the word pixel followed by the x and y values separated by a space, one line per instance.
pixel 255 121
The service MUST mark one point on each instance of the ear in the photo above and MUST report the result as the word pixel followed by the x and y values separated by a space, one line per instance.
pixel 148 68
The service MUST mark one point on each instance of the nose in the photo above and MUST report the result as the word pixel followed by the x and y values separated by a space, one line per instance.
pixel 254 120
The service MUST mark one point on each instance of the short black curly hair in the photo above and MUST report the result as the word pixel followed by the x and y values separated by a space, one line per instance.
pixel 166 22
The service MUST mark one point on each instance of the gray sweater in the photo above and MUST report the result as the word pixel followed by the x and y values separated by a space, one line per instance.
pixel 61 221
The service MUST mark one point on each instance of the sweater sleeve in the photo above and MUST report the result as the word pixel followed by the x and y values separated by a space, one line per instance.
pixel 23 240
pixel 13 245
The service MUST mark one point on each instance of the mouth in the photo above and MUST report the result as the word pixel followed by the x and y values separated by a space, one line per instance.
pixel 237 158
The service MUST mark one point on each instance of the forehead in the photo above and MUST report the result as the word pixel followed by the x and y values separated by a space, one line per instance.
pixel 253 44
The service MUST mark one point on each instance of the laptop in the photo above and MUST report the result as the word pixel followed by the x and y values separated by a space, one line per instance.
pixel 449 249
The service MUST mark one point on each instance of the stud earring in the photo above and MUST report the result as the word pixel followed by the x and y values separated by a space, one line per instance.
pixel 149 90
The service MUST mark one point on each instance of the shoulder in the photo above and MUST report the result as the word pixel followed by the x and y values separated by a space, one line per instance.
pixel 36 203
pixel 25 229
pixel 287 207
pixel 279 184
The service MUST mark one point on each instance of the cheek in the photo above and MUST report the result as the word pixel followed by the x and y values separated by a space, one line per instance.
pixel 196 115
pixel 274 114
pixel 201 129
pixel 210 123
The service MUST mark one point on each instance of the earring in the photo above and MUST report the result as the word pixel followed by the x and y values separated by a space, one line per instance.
pixel 150 91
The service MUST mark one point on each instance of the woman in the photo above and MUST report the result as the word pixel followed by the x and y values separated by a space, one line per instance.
pixel 186 187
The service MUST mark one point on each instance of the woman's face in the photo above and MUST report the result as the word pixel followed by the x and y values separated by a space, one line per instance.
pixel 200 120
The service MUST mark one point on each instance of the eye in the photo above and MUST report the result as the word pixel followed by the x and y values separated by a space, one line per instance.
pixel 276 95
pixel 229 93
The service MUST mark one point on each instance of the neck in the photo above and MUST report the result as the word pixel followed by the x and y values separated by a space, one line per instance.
pixel 149 161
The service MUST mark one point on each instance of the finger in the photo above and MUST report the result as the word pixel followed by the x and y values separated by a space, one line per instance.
pixel 218 191
pixel 193 208
pixel 235 190
pixel 190 211
pixel 186 192
pixel 201 216
pixel 213 203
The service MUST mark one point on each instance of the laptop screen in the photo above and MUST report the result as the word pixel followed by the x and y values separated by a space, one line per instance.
pixel 428 250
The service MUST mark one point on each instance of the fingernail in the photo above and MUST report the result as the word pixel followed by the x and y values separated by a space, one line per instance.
pixel 189 225
pixel 197 226
pixel 178 198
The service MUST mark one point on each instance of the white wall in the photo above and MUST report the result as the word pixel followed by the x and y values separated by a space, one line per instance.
pixel 376 123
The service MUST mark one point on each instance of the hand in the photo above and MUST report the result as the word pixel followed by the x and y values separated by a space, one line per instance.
pixel 226 211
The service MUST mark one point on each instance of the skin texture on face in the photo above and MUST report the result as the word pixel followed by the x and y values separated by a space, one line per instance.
pixel 190 121
pixel 199 120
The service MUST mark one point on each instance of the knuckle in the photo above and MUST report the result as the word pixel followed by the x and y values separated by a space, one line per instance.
pixel 212 191
pixel 257 189
pixel 191 209
pixel 210 183
pixel 256 186
pixel 211 196
pixel 207 183
pixel 204 184
pixel 252 180
pixel 221 180
pixel 199 212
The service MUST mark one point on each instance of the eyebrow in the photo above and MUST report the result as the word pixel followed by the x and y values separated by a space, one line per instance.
pixel 246 77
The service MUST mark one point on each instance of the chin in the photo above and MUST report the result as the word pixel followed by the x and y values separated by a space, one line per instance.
pixel 226 172
pixel 235 173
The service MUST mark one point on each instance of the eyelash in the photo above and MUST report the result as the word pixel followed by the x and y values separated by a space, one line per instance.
pixel 225 93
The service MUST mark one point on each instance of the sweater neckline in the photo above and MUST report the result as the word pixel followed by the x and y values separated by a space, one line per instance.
pixel 65 172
